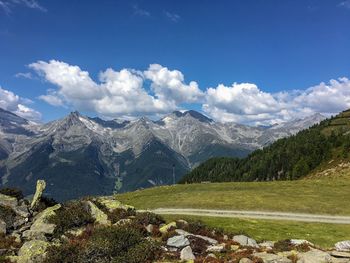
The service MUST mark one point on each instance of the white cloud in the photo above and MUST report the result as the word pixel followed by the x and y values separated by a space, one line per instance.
pixel 246 103
pixel 8 5
pixel 169 85
pixel 140 12
pixel 119 93
pixel 172 16
pixel 12 102
pixel 26 75
pixel 345 4
pixel 124 94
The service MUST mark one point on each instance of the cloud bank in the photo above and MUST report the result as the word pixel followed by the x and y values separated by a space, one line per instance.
pixel 159 90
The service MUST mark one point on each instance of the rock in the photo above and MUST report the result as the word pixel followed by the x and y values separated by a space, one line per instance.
pixel 164 229
pixel 100 217
pixel 111 203
pixel 211 255
pixel 40 226
pixel 40 187
pixel 10 201
pixel 339 254
pixel 245 260
pixel 178 241
pixel 297 242
pixel 75 231
pixel 2 227
pixel 185 233
pixel 150 228
pixel 17 237
pixel 187 254
pixel 267 244
pixel 234 247
pixel 245 241
pixel 314 256
pixel 122 222
pixel 21 210
pixel 32 252
pixel 343 246
pixel 216 248
pixel 272 258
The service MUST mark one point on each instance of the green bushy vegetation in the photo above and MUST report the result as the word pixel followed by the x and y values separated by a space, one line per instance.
pixel 287 159
pixel 72 214
pixel 105 244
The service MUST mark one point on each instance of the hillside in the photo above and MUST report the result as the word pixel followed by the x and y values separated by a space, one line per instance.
pixel 286 159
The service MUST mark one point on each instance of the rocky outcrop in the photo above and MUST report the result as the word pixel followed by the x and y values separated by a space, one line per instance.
pixel 99 216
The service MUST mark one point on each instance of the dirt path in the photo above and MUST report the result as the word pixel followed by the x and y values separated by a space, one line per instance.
pixel 255 215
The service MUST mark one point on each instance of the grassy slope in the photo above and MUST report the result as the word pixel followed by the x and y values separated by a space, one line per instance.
pixel 324 235
pixel 326 196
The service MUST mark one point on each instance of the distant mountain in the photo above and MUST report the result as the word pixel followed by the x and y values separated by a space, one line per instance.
pixel 319 150
pixel 78 155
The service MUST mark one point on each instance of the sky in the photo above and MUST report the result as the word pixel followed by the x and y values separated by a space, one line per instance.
pixel 255 62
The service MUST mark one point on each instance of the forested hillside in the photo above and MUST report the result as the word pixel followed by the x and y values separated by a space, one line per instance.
pixel 286 159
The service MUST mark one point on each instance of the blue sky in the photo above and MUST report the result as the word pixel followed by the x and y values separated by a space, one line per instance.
pixel 278 52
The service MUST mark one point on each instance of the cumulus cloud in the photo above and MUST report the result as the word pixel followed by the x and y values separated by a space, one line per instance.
pixel 12 102
pixel 118 93
pixel 125 93
pixel 246 103
pixel 25 75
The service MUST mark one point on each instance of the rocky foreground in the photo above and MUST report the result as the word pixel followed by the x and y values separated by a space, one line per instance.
pixel 101 229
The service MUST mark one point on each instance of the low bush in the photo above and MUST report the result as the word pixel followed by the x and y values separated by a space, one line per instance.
pixel 71 215
pixel 106 244
pixel 14 192
pixel 7 215
pixel 147 218
pixel 45 202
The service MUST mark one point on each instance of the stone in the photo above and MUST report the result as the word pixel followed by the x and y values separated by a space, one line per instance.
pixel 111 203
pixel 267 244
pixel 2 227
pixel 40 226
pixel 298 242
pixel 187 254
pixel 164 229
pixel 76 231
pixel 272 258
pixel 211 255
pixel 339 254
pixel 150 228
pixel 10 201
pixel 21 210
pixel 178 241
pixel 245 241
pixel 100 217
pixel 17 237
pixel 32 252
pixel 343 246
pixel 234 247
pixel 314 256
pixel 245 260
pixel 185 233
pixel 40 187
pixel 216 248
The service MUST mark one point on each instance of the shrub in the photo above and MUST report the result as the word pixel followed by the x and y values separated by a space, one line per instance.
pixel 14 192
pixel 8 242
pixel 70 215
pixel 106 244
pixel 147 218
pixel 7 215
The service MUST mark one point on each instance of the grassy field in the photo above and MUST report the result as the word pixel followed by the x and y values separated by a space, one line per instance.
pixel 321 196
pixel 323 235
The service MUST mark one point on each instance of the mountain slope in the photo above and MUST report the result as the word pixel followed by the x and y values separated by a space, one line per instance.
pixel 78 155
pixel 286 159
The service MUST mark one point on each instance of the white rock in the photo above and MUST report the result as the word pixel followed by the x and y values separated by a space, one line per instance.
pixel 245 241
pixel 187 254
pixel 178 241
pixel 272 258
pixel 185 233
pixel 314 256
pixel 216 248
pixel 245 260
pixel 297 242
pixel 343 246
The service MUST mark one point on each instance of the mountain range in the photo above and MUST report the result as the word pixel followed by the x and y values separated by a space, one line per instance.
pixel 78 155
